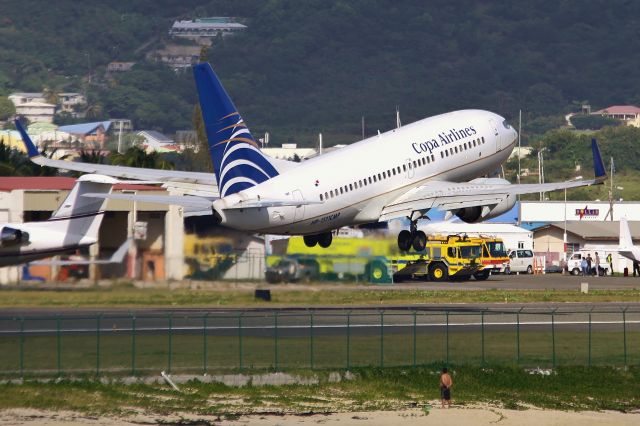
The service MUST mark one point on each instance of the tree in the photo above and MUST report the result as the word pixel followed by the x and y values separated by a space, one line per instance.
pixel 7 109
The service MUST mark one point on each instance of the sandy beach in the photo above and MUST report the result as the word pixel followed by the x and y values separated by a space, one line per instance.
pixel 470 415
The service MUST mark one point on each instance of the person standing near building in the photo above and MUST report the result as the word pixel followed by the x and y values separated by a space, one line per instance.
pixel 597 268
pixel 584 266
pixel 610 262
pixel 589 263
pixel 445 387
pixel 636 268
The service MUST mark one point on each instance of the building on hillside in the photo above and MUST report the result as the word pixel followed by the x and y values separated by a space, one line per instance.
pixel 71 103
pixel 91 135
pixel 178 57
pixel 117 66
pixel 202 30
pixel 602 237
pixel 156 255
pixel 33 107
pixel 156 141
pixel 629 114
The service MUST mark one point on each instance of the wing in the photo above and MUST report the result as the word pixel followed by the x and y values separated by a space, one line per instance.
pixel 185 182
pixel 491 196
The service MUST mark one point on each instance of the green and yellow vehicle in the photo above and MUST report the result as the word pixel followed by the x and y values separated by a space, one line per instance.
pixel 444 258
pixel 209 257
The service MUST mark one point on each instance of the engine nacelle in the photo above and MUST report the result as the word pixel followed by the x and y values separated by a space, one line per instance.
pixel 480 213
pixel 11 236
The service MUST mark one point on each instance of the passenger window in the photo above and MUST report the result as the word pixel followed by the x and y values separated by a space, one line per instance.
pixel 341 192
pixel 331 193
pixel 379 176
pixel 320 197
pixel 483 139
pixel 433 157
pixel 441 154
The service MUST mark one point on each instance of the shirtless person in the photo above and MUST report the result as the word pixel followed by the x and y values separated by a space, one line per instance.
pixel 445 387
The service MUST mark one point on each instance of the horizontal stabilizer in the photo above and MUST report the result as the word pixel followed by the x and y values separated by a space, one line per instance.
pixel 188 202
pixel 116 257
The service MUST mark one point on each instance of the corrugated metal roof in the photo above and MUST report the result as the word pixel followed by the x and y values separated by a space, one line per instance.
pixel 85 128
pixel 601 230
pixel 619 109
pixel 56 183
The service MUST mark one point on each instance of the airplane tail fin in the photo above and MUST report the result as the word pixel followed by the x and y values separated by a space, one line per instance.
pixel 82 216
pixel 625 234
pixel 238 162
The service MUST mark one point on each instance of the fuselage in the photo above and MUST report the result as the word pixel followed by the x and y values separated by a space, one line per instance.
pixel 46 239
pixel 353 184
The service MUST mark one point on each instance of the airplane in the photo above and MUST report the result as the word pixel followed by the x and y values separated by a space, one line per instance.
pixel 437 162
pixel 625 246
pixel 117 257
pixel 73 225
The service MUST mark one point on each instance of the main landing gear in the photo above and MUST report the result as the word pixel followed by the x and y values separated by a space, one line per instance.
pixel 412 238
pixel 323 240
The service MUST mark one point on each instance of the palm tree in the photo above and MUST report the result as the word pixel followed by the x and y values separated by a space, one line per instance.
pixel 137 157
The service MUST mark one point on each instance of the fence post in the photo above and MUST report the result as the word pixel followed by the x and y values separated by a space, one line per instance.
pixel 382 338
pixel 170 342
pixel 58 345
pixel 240 339
pixel 98 321
pixel 447 338
pixel 133 344
pixel 518 336
pixel 415 340
pixel 311 340
pixel 482 332
pixel 624 334
pixel 275 338
pixel 204 343
pixel 22 347
pixel 348 339
pixel 553 337
pixel 590 337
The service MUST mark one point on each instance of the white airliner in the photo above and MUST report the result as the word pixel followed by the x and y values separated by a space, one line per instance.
pixel 74 225
pixel 626 247
pixel 437 162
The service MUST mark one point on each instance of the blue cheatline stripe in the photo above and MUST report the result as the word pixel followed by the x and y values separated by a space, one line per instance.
pixel 225 131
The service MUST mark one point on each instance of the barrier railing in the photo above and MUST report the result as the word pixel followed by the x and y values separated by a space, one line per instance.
pixel 140 343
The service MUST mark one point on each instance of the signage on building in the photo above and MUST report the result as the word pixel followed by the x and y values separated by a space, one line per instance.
pixel 587 212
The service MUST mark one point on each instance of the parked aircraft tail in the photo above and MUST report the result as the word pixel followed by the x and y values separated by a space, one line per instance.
pixel 625 234
pixel 238 162
pixel 79 215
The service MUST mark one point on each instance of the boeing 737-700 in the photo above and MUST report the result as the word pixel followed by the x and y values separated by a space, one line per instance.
pixel 438 162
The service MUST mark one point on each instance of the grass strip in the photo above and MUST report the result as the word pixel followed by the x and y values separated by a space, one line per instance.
pixel 566 388
pixel 132 297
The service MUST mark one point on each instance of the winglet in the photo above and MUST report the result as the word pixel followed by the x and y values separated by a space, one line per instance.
pixel 32 151
pixel 598 165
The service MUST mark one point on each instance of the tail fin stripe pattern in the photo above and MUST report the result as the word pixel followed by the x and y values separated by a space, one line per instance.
pixel 237 160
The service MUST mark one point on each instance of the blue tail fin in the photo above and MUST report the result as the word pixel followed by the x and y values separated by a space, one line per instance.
pixel 237 160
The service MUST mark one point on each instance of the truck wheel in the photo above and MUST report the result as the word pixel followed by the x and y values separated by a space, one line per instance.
pixel 376 272
pixel 529 270
pixel 438 272
pixel 575 271
pixel 481 276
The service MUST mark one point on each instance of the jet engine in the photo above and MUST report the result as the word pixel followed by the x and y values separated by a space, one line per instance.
pixel 12 236
pixel 480 213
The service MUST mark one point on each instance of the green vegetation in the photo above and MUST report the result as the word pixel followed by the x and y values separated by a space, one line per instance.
pixel 123 296
pixel 568 388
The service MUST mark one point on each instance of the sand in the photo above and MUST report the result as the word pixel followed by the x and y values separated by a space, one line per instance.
pixel 473 415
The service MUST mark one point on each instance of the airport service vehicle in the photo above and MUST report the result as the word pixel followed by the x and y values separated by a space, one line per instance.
pixel 574 264
pixel 494 253
pixel 520 261
pixel 208 257
pixel 293 269
pixel 437 162
pixel 444 259
pixel 73 226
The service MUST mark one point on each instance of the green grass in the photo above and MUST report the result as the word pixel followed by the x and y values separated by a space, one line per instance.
pixel 567 388
pixel 131 297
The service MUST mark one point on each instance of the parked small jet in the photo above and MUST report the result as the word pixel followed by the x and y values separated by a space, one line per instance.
pixel 437 162
pixel 74 225
pixel 626 247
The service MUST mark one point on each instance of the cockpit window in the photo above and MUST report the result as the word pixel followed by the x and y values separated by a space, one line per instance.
pixel 506 124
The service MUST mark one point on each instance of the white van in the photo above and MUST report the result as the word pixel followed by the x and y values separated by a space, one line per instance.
pixel 520 261
pixel 574 264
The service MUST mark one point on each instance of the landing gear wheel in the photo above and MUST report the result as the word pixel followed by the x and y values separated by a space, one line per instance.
pixel 438 272
pixel 529 270
pixel 310 240
pixel 419 241
pixel 324 240
pixel 404 240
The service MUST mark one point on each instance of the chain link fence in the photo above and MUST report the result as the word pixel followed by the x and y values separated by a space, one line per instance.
pixel 197 342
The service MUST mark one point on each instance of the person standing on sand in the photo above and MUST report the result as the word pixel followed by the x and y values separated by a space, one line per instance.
pixel 445 387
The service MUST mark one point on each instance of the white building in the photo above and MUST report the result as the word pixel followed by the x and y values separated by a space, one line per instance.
pixel 556 211
pixel 71 102
pixel 202 30
pixel 33 107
